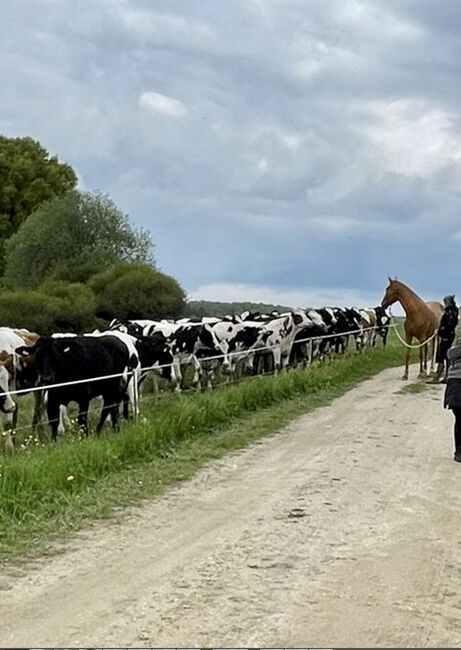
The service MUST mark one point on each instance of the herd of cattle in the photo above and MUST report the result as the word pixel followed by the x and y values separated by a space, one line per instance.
pixel 113 364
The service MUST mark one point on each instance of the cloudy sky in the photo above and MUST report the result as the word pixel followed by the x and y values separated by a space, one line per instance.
pixel 297 151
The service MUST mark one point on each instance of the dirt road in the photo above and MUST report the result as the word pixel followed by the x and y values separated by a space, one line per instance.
pixel 344 529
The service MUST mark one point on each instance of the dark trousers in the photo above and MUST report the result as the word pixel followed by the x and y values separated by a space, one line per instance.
pixel 457 414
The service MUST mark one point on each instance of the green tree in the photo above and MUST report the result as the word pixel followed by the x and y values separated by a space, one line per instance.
pixel 70 238
pixel 137 291
pixel 28 177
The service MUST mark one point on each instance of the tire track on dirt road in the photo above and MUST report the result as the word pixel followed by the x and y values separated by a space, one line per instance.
pixel 340 530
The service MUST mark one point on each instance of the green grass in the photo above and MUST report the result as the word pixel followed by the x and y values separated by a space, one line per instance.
pixel 413 389
pixel 48 491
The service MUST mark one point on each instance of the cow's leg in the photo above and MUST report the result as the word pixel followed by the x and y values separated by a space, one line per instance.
pixel 38 410
pixel 53 413
pixel 7 434
pixel 197 372
pixel 126 411
pixel 63 419
pixel 114 417
pixel 83 407
pixel 284 361
pixel 112 405
pixel 277 354
pixel 176 375
pixel 210 376
pixel 132 394
pixel 105 412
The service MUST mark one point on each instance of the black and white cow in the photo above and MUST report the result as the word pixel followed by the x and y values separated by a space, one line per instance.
pixel 274 337
pixel 71 359
pixel 383 322
pixel 307 343
pixel 188 341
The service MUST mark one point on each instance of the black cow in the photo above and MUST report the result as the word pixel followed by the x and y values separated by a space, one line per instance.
pixel 71 359
pixel 382 324
pixel 154 354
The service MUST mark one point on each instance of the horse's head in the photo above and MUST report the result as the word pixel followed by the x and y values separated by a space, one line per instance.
pixel 391 295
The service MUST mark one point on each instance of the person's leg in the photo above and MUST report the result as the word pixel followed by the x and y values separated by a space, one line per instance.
pixel 457 432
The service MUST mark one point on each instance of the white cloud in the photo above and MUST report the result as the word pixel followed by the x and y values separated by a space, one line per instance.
pixel 414 138
pixel 161 104
pixel 262 165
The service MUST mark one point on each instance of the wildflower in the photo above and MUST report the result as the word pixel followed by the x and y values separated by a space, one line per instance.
pixel 70 478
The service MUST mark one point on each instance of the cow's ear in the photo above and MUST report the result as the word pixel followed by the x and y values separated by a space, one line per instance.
pixel 9 363
pixel 25 351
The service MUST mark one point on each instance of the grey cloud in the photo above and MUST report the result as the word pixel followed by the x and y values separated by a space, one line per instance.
pixel 292 151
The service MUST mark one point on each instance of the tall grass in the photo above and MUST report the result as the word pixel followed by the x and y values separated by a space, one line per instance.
pixel 58 487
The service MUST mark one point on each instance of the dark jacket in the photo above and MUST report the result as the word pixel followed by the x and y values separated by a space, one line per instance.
pixel 448 322
pixel 453 390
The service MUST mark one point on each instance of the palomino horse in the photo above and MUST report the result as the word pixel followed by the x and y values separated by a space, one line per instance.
pixel 422 320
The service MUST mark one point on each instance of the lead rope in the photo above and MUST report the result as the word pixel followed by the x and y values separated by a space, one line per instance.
pixel 409 345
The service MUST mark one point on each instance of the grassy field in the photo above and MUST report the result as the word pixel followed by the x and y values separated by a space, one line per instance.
pixel 48 491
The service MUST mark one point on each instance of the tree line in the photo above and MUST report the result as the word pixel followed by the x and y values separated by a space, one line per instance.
pixel 201 308
pixel 71 260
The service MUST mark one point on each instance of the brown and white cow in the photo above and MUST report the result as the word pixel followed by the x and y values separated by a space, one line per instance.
pixel 10 367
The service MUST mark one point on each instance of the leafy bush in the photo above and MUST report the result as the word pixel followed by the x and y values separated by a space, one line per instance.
pixel 55 307
pixel 77 305
pixel 137 291
pixel 30 309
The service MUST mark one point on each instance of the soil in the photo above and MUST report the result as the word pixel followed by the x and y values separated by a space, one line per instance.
pixel 343 529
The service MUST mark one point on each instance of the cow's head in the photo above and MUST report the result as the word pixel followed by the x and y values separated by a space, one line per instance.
pixel 316 319
pixel 353 318
pixel 6 373
pixel 50 356
pixel 154 351
pixel 221 346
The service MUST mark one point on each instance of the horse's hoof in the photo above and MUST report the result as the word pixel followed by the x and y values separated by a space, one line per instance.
pixel 405 377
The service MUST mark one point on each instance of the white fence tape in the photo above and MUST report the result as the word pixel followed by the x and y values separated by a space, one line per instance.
pixel 132 373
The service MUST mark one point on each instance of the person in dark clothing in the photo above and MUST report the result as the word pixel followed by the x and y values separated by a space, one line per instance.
pixel 446 336
pixel 453 393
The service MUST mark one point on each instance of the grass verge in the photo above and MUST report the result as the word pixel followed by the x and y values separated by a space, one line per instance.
pixel 50 491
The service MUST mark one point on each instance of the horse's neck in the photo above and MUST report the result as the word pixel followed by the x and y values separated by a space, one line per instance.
pixel 410 301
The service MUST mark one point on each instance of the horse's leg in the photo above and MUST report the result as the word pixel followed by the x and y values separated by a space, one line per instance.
pixel 409 339
pixel 422 361
pixel 435 343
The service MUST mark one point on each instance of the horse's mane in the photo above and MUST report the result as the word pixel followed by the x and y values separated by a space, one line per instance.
pixel 410 291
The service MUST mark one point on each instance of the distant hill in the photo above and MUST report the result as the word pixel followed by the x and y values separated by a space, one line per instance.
pixel 199 308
